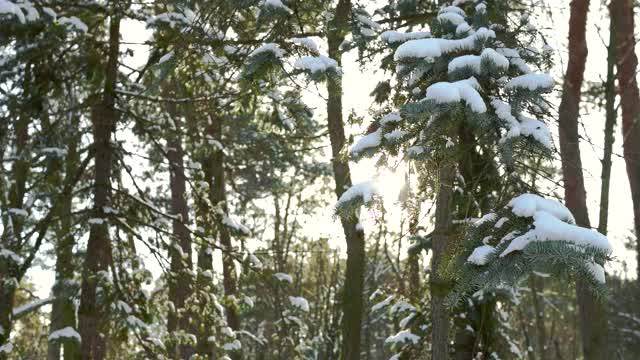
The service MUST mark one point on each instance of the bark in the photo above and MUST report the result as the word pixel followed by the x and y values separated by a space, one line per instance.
pixel 11 237
pixel 438 284
pixel 352 302
pixel 104 117
pixel 180 281
pixel 610 123
pixel 63 312
pixel 219 198
pixel 592 317
pixel 622 11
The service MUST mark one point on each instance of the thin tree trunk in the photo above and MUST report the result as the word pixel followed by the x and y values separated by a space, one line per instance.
pixel 610 123
pixel 219 198
pixel 438 284
pixel 592 316
pixel 352 302
pixel 104 116
pixel 180 281
pixel 538 308
pixel 622 11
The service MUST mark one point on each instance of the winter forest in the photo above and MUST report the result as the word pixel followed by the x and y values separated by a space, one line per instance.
pixel 319 179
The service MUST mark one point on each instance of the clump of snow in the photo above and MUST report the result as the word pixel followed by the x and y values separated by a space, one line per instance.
pixel 473 61
pixel 8 254
pixel 531 82
pixel 392 36
pixel 486 218
pixel 367 142
pixel 392 117
pixel 235 224
pixel 597 271
pixel 527 205
pixel 307 42
pixel 284 277
pixel 368 22
pixel 65 333
pixel 480 255
pixel 382 304
pixel 74 23
pixel 299 302
pixel 515 59
pixel 395 135
pixel 536 129
pixel 316 64
pixel 526 127
pixel 275 4
pixel 50 12
pixel 366 190
pixel 433 48
pixel 402 337
pixel 552 222
pixel 452 9
pixel 232 346
pixel 451 17
pixel 269 47
pixel 452 92
pixel 7 7
pixel 18 212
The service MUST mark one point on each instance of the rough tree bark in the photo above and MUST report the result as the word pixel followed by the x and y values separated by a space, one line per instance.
pixel 438 284
pixel 104 117
pixel 622 11
pixel 352 301
pixel 593 326
pixel 180 281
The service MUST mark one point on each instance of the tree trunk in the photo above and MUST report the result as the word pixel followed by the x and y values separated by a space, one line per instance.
pixel 219 198
pixel 352 301
pixel 592 317
pixel 12 233
pixel 63 311
pixel 180 281
pixel 104 116
pixel 537 285
pixel 610 123
pixel 622 11
pixel 438 284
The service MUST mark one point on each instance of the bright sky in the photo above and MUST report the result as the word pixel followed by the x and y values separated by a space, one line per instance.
pixel 359 83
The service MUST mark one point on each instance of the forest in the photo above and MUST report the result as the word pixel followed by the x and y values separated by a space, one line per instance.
pixel 319 179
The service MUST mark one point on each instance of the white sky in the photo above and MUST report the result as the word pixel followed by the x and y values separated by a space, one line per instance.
pixel 359 83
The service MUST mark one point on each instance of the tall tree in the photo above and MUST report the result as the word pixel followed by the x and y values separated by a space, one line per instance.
pixel 352 301
pixel 622 13
pixel 92 312
pixel 592 314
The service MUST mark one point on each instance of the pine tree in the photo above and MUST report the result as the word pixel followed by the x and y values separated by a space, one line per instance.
pixel 452 76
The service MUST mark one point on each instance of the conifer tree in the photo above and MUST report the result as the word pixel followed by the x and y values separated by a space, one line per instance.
pixel 470 73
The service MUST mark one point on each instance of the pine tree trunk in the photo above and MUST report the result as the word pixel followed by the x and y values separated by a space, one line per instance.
pixel 593 324
pixel 63 311
pixel 622 11
pixel 104 116
pixel 609 125
pixel 180 282
pixel 438 284
pixel 352 302
pixel 538 307
pixel 219 198
pixel 11 236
